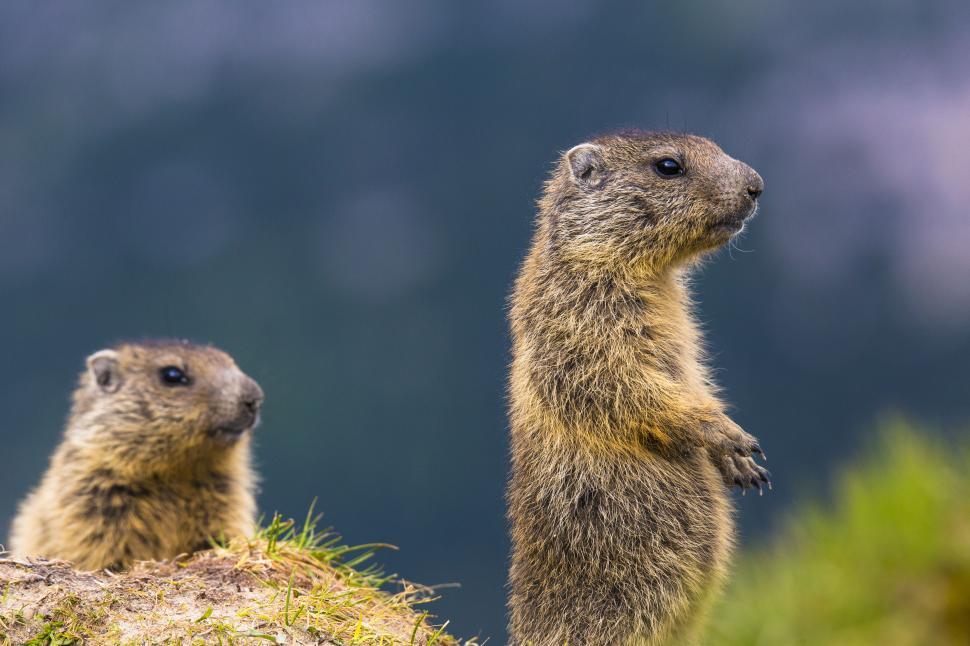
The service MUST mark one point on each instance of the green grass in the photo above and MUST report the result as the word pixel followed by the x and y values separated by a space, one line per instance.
pixel 887 563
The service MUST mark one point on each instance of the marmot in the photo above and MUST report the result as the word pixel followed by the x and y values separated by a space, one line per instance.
pixel 154 461
pixel 621 450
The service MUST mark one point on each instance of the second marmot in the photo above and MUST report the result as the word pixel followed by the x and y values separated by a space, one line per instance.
pixel 621 450
pixel 154 461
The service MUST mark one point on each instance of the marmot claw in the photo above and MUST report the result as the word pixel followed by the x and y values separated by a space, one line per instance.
pixel 743 472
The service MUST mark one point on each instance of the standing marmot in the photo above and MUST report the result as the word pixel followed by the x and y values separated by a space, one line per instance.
pixel 154 460
pixel 621 523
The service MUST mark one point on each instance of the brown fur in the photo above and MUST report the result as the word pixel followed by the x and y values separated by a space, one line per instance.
pixel 146 470
pixel 621 450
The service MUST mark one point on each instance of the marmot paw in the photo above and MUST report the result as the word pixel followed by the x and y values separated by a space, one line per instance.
pixel 729 438
pixel 744 472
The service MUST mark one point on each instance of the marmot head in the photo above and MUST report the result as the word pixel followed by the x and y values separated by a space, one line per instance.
pixel 162 404
pixel 646 200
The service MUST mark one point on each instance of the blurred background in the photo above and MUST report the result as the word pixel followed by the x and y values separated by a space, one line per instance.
pixel 339 193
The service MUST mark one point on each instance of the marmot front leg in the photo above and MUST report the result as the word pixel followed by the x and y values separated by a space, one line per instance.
pixel 732 450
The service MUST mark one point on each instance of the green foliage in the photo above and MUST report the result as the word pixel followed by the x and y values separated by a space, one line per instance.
pixel 52 634
pixel 888 564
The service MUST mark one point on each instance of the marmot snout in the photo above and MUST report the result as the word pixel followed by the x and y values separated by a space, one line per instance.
pixel 154 460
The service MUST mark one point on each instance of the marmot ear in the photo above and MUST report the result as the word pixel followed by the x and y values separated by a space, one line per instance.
pixel 103 366
pixel 586 165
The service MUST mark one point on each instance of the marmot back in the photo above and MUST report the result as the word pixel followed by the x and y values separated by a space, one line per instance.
pixel 153 463
pixel 621 450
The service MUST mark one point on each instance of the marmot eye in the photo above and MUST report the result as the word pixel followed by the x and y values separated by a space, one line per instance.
pixel 174 376
pixel 669 167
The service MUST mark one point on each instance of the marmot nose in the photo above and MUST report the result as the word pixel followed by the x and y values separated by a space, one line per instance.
pixel 756 185
pixel 252 395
